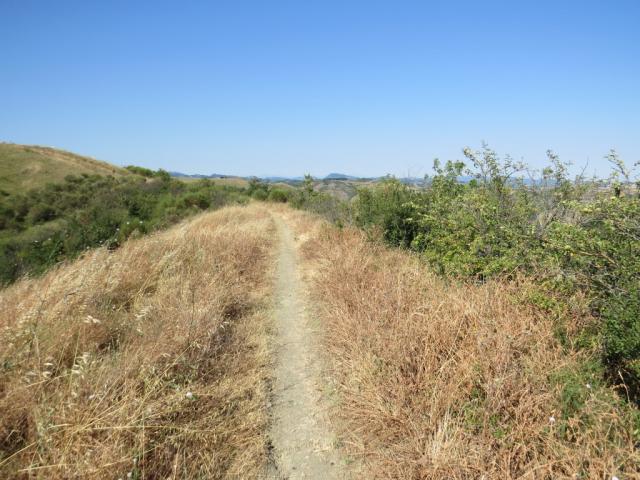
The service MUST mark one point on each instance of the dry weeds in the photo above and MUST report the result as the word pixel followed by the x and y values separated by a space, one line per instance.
pixel 147 362
pixel 439 380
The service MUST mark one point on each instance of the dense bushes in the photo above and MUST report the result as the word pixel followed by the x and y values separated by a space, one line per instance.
pixel 600 253
pixel 575 236
pixel 482 218
pixel 263 191
pixel 44 226
pixel 278 195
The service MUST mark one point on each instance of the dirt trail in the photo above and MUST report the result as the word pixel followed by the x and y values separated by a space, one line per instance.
pixel 303 444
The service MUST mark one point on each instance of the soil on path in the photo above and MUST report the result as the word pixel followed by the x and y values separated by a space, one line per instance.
pixel 303 445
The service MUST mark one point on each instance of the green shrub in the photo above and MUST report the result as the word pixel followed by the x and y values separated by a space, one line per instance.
pixel 59 221
pixel 260 195
pixel 621 337
pixel 389 206
pixel 599 253
pixel 196 199
pixel 145 172
pixel 278 195
pixel 40 213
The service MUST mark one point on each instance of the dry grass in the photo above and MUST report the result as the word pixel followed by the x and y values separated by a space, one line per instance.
pixel 23 167
pixel 149 361
pixel 439 380
pixel 153 360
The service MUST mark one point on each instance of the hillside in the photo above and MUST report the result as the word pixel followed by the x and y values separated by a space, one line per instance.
pixel 58 221
pixel 150 360
pixel 261 341
pixel 23 167
pixel 435 378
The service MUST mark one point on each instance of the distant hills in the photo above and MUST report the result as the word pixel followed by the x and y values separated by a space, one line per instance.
pixel 277 179
pixel 23 167
pixel 198 175
pixel 340 176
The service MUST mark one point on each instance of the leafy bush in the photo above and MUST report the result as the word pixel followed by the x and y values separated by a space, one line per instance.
pixel 600 253
pixel 257 189
pixel 41 213
pixel 145 172
pixel 389 206
pixel 278 195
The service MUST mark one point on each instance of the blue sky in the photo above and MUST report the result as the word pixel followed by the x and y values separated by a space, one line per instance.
pixel 365 88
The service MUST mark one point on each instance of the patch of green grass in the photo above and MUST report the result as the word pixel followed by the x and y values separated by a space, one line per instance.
pixel 577 386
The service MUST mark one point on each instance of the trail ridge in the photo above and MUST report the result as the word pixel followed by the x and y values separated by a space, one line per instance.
pixel 303 444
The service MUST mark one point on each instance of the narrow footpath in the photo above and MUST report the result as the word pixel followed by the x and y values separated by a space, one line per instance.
pixel 303 445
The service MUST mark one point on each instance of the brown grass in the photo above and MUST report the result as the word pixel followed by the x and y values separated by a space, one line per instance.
pixel 149 361
pixel 153 361
pixel 23 167
pixel 439 380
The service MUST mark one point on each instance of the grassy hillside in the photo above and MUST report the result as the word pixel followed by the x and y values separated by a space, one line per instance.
pixel 146 362
pixel 23 167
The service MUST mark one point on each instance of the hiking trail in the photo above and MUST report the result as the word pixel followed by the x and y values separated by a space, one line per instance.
pixel 303 445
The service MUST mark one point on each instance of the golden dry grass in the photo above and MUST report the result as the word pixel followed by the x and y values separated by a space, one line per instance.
pixel 23 167
pixel 440 380
pixel 149 361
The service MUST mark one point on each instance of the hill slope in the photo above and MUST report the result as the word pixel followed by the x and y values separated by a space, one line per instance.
pixel 150 359
pixel 438 379
pixel 171 357
pixel 23 167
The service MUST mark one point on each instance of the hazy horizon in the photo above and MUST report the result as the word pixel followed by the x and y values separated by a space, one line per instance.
pixel 280 89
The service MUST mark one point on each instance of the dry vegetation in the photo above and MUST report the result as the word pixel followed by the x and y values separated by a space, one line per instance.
pixel 153 361
pixel 439 380
pixel 23 167
pixel 147 362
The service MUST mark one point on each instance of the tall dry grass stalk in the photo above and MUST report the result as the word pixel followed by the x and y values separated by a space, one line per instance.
pixel 147 362
pixel 442 380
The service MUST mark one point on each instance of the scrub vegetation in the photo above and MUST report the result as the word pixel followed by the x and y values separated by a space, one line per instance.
pixel 43 226
pixel 441 378
pixel 577 239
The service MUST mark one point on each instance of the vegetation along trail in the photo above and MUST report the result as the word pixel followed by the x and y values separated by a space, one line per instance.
pixel 302 440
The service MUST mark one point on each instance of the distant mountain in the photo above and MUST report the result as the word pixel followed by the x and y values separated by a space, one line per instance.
pixel 281 179
pixel 219 175
pixel 412 180
pixel 197 175
pixel 340 176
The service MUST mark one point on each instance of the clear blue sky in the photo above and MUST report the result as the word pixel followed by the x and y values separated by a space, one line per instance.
pixel 367 88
